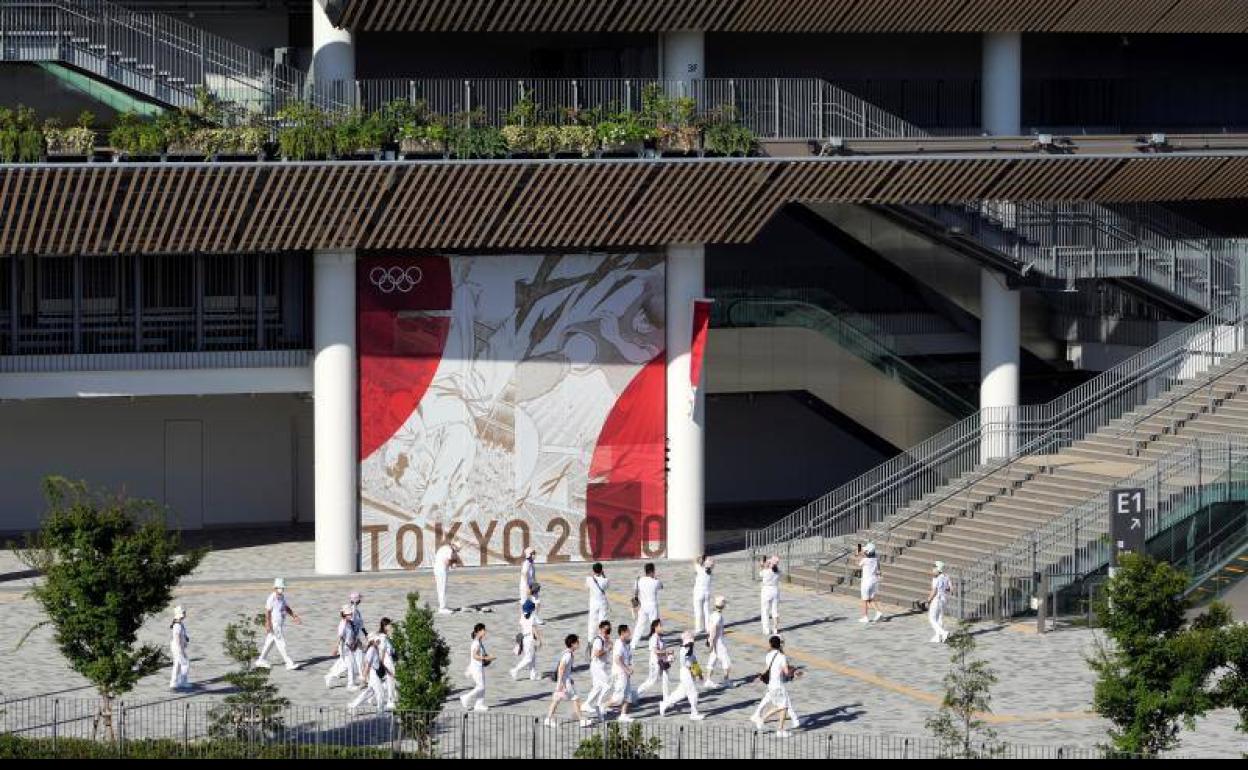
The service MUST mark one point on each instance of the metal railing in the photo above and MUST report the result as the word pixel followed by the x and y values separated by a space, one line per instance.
pixel 1177 486
pixel 773 108
pixel 853 333
pixel 975 446
pixel 1074 241
pixel 150 53
pixel 66 728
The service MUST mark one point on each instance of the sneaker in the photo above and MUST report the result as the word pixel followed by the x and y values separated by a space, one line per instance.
pixel 329 682
pixel 697 717
pixel 709 684
pixel 551 723
pixel 463 701
pixel 534 676
pixel 445 611
pixel 944 637
pixel 292 666
pixel 481 707
pixel 877 617
pixel 864 619
pixel 758 721
pixel 935 639
pixel 624 718
pixel 782 733
pixel 662 708
pixel 353 688
pixel 261 664
pixel 587 723
pixel 515 675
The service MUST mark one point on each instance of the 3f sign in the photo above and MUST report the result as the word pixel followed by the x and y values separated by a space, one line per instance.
pixel 1127 521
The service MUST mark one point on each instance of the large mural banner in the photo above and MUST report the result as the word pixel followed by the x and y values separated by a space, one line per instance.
pixel 508 402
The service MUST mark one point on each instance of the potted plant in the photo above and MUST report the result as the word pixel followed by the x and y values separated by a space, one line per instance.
pixel 677 129
pixel 578 140
pixel 77 141
pixel 306 133
pixel 231 141
pixel 175 129
pixel 521 130
pixel 724 135
pixel 622 134
pixel 21 139
pixel 358 134
pixel 133 137
pixel 469 137
pixel 424 140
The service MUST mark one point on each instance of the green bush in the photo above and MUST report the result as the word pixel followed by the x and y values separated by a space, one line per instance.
pixel 619 745
pixel 306 133
pixel 254 710
pixel 132 135
pixel 421 660
pixel 21 139
pixel 473 141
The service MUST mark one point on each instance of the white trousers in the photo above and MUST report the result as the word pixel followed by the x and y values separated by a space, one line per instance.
pixel 477 693
pixel 601 687
pixel 769 610
pixel 528 657
pixel 180 676
pixel 275 638
pixel 775 698
pixel 656 676
pixel 688 689
pixel 597 614
pixel 645 616
pixel 701 612
pixel 439 579
pixel 346 664
pixel 376 691
pixel 718 657
pixel 936 616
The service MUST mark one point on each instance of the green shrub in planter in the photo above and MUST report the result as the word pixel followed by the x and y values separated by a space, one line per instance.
pixel 132 135
pixel 76 140
pixel 423 139
pixel 306 133
pixel 730 139
pixel 359 133
pixel 175 130
pixel 521 140
pixel 469 141
pixel 622 133
pixel 582 140
pixel 21 139
pixel 235 140
pixel 619 745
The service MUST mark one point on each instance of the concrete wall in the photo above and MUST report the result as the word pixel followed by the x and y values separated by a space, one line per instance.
pixel 247 460
pixel 765 447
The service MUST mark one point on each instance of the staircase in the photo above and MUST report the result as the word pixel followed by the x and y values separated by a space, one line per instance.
pixel 1001 475
pixel 150 54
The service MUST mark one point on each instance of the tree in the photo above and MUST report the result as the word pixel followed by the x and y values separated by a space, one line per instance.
pixel 421 660
pixel 254 709
pixel 619 745
pixel 968 685
pixel 1155 678
pixel 108 562
pixel 1232 688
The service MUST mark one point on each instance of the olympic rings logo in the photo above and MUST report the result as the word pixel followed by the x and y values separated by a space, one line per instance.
pixel 391 279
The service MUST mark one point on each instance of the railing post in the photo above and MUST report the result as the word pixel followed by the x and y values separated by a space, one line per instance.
pixel 463 738
pixel 628 95
pixel 1042 610
pixel 997 599
pixel 819 113
pixel 533 737
pixel 776 107
pixel 56 723
pixel 576 96
pixel 411 92
pixel 186 729
pixel 680 743
pixel 467 103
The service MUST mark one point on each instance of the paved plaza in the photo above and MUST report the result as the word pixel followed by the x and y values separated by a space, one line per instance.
pixel 881 678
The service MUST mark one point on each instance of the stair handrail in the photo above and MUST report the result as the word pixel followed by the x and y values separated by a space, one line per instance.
pixel 940 459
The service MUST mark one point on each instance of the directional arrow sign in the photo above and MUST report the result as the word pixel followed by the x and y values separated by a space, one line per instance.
pixel 1126 507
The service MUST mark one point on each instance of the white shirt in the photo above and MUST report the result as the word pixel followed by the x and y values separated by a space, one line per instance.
pixel 621 653
pixel 597 590
pixel 179 639
pixel 346 632
pixel 648 593
pixel 701 581
pixel 778 664
pixel 656 647
pixel 357 623
pixel 372 659
pixel 566 661
pixel 870 569
pixel 442 559
pixel 476 648
pixel 686 659
pixel 528 575
pixel 598 666
pixel 526 626
pixel 276 608
pixel 942 587
pixel 770 578
pixel 715 626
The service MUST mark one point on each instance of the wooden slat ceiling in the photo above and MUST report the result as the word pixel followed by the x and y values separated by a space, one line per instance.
pixel 1139 16
pixel 222 208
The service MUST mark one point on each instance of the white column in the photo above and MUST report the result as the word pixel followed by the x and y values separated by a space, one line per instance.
pixel 1002 83
pixel 998 356
pixel 686 270
pixel 333 51
pixel 334 413
pixel 682 55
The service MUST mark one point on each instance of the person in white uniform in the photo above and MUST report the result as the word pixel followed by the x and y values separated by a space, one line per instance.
pixel 361 634
pixel 596 584
pixel 622 694
pixel 530 640
pixel 179 641
pixel 869 563
pixel 528 582
pixel 565 687
pixel 942 587
pixel 769 595
pixel 688 686
pixel 374 671
pixel 276 610
pixel 445 559
pixel 702 593
pixel 660 661
pixel 599 669
pixel 646 597
pixel 777 673
pixel 384 637
pixel 344 649
pixel 718 644
pixel 478 659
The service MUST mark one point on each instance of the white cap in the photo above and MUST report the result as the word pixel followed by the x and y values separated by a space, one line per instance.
pixel 708 563
pixel 869 548
pixel 178 612
pixel 940 566
pixel 686 637
pixel 279 583
pixel 720 601
pixel 530 551
pixel 355 596
pixel 347 609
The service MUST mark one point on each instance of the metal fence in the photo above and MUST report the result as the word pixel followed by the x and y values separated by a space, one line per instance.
pixel 992 441
pixel 207 729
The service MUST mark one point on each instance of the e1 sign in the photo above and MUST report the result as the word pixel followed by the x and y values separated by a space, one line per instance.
pixel 1126 508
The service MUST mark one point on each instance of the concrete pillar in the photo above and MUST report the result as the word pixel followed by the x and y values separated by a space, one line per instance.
pixel 333 55
pixel 335 423
pixel 1002 83
pixel 999 356
pixel 682 56
pixel 686 271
